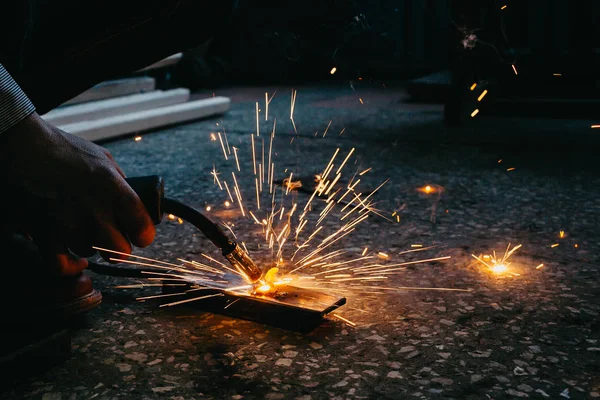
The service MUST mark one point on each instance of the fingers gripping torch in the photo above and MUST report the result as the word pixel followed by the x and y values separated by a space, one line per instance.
pixel 151 191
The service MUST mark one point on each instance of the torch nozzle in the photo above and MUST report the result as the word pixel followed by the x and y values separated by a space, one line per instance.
pixel 242 262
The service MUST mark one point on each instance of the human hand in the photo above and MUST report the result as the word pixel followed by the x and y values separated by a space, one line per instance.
pixel 68 194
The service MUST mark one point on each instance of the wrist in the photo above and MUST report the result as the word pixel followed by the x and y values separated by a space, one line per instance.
pixel 20 135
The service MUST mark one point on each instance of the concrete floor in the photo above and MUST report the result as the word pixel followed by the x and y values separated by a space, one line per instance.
pixel 531 335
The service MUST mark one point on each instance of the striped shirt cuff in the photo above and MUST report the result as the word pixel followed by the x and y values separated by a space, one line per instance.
pixel 14 104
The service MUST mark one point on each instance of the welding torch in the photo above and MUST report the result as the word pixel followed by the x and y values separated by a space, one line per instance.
pixel 151 190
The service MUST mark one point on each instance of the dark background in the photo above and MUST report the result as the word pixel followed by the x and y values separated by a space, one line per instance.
pixel 287 42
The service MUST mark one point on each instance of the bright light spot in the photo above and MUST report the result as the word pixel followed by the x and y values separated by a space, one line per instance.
pixel 503 7
pixel 510 169
pixel 382 255
pixel 171 217
pixel 365 251
pixel 482 95
pixel 333 70
pixel 473 86
pixel 180 220
pixel 213 137
pixel 429 189
pixel 554 245
pixel 475 112
pixel 539 266
pixel 499 268
pixel 263 288
pixel 561 234
pixel 557 74
pixel 416 245
pixel 361 101
pixel 138 138
pixel 515 69
pixel 595 126
pixel 208 208
pixel 576 245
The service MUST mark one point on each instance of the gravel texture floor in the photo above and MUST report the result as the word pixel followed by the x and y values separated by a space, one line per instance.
pixel 532 335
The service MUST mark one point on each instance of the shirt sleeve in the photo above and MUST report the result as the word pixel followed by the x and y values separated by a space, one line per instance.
pixel 14 104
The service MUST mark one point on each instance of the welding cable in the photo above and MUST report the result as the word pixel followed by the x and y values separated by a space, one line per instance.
pixel 236 256
pixel 211 230
pixel 150 189
pixel 169 206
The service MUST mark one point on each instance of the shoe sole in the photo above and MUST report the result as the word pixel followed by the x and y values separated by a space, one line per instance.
pixel 79 305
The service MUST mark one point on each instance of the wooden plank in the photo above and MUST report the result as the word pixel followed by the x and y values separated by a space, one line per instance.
pixel 165 62
pixel 120 105
pixel 119 125
pixel 115 88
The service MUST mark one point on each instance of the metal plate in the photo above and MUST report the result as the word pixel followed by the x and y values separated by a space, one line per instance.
pixel 291 307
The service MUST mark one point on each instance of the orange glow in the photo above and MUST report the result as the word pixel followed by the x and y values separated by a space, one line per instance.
pixel 333 70
pixel 499 268
pixel 208 208
pixel 138 138
pixel 271 275
pixel 561 234
pixel 171 217
pixel 475 112
pixel 473 86
pixel 430 189
pixel 227 203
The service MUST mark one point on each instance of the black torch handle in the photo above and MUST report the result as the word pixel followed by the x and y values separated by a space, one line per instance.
pixel 151 190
